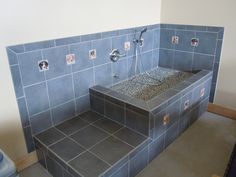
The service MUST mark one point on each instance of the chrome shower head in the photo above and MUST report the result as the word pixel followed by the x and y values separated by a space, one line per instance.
pixel 142 31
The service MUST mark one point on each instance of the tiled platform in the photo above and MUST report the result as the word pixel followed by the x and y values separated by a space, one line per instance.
pixel 89 146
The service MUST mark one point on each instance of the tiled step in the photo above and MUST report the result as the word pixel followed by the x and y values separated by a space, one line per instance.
pixel 89 146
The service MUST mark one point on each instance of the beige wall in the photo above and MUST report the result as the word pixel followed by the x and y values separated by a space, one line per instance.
pixel 28 21
pixel 211 12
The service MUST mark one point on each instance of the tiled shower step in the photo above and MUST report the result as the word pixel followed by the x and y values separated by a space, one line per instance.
pixel 90 145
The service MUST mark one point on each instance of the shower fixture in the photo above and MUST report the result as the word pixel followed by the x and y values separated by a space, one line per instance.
pixel 140 39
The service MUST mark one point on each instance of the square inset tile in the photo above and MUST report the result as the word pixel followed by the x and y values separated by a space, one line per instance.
pixel 203 62
pixel 29 67
pixel 60 90
pixel 81 52
pixel 103 75
pixel 90 116
pixel 103 48
pixel 63 112
pixel 88 165
pixel 23 112
pixel 37 98
pixel 83 80
pixel 72 125
pixel 207 43
pixel 66 149
pixel 56 58
pixel 183 61
pixel 130 137
pixel 89 136
pixel 166 58
pixel 82 104
pixel 41 122
pixel 115 112
pixel 111 150
pixel 50 136
pixel 15 72
pixel 108 125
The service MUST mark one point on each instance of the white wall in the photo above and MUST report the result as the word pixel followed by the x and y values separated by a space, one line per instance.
pixel 28 21
pixel 211 12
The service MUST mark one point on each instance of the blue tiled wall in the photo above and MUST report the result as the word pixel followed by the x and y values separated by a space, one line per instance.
pixel 50 97
pixel 183 56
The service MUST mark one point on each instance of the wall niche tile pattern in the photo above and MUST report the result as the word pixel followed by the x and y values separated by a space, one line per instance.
pixel 49 97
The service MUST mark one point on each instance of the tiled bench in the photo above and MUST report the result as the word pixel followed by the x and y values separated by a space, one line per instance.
pixel 91 145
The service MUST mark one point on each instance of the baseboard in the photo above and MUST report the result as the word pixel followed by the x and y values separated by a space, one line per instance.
pixel 26 161
pixel 221 110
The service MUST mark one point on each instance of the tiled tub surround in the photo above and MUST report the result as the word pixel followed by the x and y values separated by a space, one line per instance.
pixel 48 98
pixel 92 144
pixel 148 117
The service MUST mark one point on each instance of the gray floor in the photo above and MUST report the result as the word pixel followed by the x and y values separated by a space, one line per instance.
pixel 202 151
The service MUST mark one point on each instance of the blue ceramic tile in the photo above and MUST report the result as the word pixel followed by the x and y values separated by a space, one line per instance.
pixel 185 40
pixel 39 45
pixel 29 68
pixel 23 112
pixel 57 61
pixel 221 34
pixel 166 58
pixel 122 172
pixel 218 50
pixel 207 43
pixel 213 28
pixel 196 28
pixel 18 48
pixel 139 162
pixel 68 40
pixel 15 72
pixel 171 134
pixel 81 52
pixel 156 38
pixel 186 102
pixel 156 147
pixel 103 75
pixel 108 34
pixel 114 112
pixel 103 49
pixel 212 93
pixel 29 139
pixel 183 61
pixel 215 72
pixel 12 57
pixel 159 128
pixel 146 61
pixel 202 62
pixel 83 80
pixel 126 31
pixel 118 43
pixel 97 104
pixel 60 90
pixel 155 58
pixel 63 112
pixel 82 104
pixel 148 41
pixel 120 70
pixel 36 98
pixel 41 122
pixel 166 38
pixel 173 26
pixel 89 37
